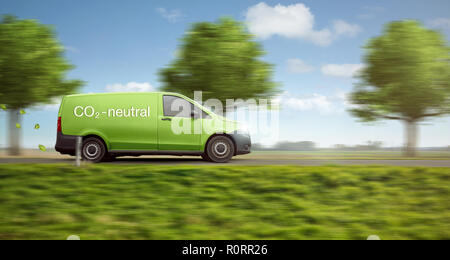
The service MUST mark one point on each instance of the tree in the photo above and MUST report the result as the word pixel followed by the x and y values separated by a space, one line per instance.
pixel 32 70
pixel 407 78
pixel 221 60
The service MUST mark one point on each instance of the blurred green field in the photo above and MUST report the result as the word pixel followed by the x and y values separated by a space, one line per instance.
pixel 223 202
pixel 350 155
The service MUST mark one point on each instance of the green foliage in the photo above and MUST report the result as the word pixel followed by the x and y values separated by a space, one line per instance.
pixel 32 64
pixel 37 126
pixel 22 112
pixel 407 75
pixel 3 107
pixel 223 202
pixel 222 60
pixel 42 148
pixel 18 126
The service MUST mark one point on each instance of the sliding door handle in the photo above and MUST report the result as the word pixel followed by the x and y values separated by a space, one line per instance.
pixel 166 119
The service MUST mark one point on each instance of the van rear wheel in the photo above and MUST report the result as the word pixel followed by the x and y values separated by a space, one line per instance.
pixel 220 149
pixel 206 158
pixel 93 150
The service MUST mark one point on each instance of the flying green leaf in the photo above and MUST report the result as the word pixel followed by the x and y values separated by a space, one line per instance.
pixel 42 148
pixel 22 112
pixel 37 126
pixel 18 125
pixel 2 106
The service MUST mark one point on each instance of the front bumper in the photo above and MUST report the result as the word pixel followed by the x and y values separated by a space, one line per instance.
pixel 243 143
pixel 65 144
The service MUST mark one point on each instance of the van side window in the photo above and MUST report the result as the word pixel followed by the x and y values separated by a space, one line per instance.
pixel 176 106
pixel 205 115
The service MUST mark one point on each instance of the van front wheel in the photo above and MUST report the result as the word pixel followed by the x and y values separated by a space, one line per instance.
pixel 220 149
pixel 93 150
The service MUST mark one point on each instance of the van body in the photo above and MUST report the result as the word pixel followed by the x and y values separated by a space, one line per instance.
pixel 156 123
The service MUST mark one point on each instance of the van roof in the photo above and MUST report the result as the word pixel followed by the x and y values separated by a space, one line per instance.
pixel 136 93
pixel 122 93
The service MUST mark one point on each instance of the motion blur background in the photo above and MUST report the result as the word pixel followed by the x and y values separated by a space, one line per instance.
pixel 358 82
pixel 315 48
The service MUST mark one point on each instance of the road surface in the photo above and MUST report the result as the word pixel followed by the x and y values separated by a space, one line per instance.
pixel 238 161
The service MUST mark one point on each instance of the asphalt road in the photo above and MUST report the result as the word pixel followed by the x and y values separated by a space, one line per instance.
pixel 240 161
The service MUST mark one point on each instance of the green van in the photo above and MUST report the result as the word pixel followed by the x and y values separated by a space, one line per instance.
pixel 157 123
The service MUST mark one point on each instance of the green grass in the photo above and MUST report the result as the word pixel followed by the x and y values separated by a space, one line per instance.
pixel 350 155
pixel 223 202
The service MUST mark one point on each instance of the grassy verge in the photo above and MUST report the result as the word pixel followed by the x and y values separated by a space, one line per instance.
pixel 215 202
pixel 348 155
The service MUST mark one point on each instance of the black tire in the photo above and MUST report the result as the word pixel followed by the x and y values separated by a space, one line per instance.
pixel 206 158
pixel 109 158
pixel 220 149
pixel 93 150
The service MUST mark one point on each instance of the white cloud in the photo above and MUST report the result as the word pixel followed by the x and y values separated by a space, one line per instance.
pixel 334 104
pixel 130 87
pixel 312 102
pixel 443 23
pixel 170 15
pixel 298 66
pixel 342 70
pixel 343 28
pixel 292 21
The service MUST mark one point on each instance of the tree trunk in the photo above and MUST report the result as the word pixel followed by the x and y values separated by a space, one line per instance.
pixel 14 132
pixel 411 132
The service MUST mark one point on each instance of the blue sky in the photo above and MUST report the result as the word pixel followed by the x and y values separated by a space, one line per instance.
pixel 314 45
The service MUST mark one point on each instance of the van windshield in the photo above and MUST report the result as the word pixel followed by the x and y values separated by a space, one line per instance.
pixel 205 109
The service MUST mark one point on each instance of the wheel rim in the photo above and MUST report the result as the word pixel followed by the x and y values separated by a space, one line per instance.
pixel 92 151
pixel 221 149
